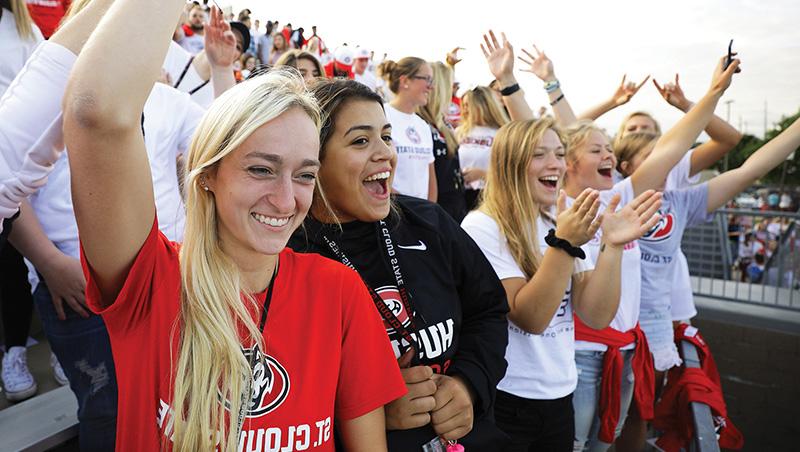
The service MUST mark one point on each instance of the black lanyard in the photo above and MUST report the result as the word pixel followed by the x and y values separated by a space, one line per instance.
pixel 183 74
pixel 393 266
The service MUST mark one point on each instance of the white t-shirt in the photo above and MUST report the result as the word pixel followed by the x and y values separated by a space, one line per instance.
pixel 631 270
pixel 660 246
pixel 14 51
pixel 682 303
pixel 178 61
pixel 540 367
pixel 474 151
pixel 367 79
pixel 30 131
pixel 193 44
pixel 413 143
pixel 170 120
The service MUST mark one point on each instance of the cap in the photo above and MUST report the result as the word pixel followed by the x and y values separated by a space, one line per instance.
pixel 362 53
pixel 245 32
pixel 343 56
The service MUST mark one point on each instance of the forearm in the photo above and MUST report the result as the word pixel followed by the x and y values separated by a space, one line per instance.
pixel 222 79
pixel 724 137
pixel 29 238
pixel 562 109
pixel 115 96
pixel 598 110
pixel 517 106
pixel 727 185
pixel 433 187
pixel 672 146
pixel 599 295
pixel 536 303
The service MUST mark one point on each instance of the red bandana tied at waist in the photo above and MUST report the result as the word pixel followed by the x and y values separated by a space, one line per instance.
pixel 610 392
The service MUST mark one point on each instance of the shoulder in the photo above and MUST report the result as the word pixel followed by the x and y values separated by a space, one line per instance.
pixel 305 265
pixel 418 212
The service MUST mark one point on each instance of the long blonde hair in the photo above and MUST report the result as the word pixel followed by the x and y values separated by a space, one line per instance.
pixel 479 107
pixel 22 17
pixel 507 196
pixel 439 102
pixel 210 361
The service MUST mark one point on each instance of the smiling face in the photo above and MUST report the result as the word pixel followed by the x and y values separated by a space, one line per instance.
pixel 263 189
pixel 358 167
pixel 593 164
pixel 419 86
pixel 546 169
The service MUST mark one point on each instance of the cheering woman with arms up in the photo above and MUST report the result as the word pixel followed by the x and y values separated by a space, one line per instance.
pixel 221 342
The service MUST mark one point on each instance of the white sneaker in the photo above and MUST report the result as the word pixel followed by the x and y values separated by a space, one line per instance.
pixel 58 372
pixel 17 379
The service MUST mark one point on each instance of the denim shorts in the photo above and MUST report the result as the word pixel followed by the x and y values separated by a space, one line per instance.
pixel 657 326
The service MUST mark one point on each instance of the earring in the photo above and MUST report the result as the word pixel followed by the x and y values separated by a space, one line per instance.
pixel 205 187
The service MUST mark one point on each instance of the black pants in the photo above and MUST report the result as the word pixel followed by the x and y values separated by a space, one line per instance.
pixel 536 425
pixel 15 298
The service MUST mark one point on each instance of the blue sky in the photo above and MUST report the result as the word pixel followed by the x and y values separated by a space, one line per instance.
pixel 592 43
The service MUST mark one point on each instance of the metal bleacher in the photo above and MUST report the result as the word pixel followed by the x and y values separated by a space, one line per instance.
pixel 41 423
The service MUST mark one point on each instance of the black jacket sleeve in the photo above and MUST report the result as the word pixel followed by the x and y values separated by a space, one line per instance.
pixel 480 358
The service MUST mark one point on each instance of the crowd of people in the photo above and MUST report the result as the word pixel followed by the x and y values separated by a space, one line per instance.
pixel 263 244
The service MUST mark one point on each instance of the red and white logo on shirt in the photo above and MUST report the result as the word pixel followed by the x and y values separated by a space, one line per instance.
pixel 270 385
pixel 412 135
pixel 662 230
pixel 391 298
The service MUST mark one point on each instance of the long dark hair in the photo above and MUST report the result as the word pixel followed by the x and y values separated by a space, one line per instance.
pixel 331 95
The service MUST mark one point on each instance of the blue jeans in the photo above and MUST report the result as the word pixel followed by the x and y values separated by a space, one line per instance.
pixel 84 351
pixel 586 398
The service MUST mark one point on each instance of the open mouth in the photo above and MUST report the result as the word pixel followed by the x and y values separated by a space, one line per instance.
pixel 549 181
pixel 605 171
pixel 271 221
pixel 378 184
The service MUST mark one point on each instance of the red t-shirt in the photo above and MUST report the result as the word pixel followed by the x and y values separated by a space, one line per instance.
pixel 47 14
pixel 327 351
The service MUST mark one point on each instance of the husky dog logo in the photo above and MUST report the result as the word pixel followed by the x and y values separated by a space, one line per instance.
pixel 662 230
pixel 391 297
pixel 270 385
pixel 412 135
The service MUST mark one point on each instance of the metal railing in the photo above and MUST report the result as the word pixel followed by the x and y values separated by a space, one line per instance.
pixel 719 271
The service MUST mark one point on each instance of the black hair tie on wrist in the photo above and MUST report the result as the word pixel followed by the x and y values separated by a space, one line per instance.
pixel 509 90
pixel 555 242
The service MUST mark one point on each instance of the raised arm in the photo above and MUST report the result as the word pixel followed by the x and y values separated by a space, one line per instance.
pixel 724 136
pixel 500 59
pixel 542 67
pixel 111 188
pixel 622 95
pixel 220 48
pixel 724 187
pixel 672 146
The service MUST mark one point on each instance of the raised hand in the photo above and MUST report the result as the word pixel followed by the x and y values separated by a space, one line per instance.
pixel 452 417
pixel 220 42
pixel 722 77
pixel 626 90
pixel 413 409
pixel 632 221
pixel 539 65
pixel 452 57
pixel 500 58
pixel 578 224
pixel 673 94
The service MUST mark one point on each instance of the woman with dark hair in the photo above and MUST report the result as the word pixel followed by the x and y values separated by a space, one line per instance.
pixel 305 62
pixel 442 304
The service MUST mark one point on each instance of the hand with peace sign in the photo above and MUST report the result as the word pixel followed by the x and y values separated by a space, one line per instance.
pixel 673 94
pixel 539 65
pixel 626 90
